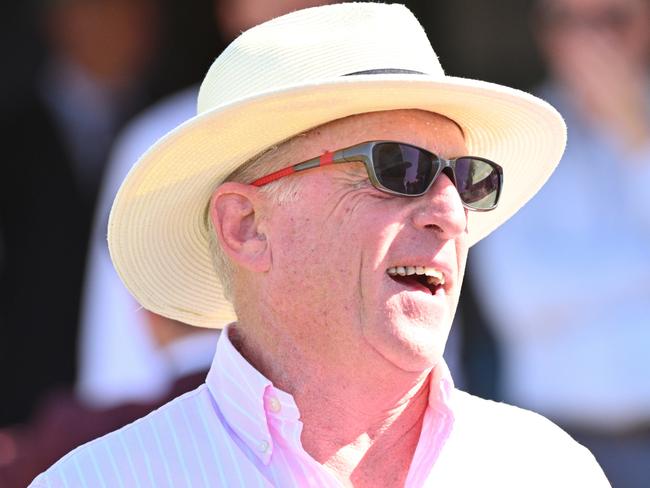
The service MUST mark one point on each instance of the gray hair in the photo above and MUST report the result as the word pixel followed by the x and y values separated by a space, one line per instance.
pixel 268 161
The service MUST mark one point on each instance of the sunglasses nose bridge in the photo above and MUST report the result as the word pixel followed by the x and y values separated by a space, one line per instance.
pixel 447 167
pixel 442 166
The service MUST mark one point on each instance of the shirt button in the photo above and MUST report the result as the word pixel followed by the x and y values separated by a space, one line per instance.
pixel 275 405
pixel 264 446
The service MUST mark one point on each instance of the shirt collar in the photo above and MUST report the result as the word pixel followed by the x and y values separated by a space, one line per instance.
pixel 248 400
pixel 441 387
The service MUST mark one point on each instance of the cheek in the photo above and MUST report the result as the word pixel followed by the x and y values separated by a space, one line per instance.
pixel 297 248
pixel 331 250
pixel 316 258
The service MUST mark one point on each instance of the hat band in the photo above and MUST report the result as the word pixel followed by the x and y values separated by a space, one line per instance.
pixel 386 71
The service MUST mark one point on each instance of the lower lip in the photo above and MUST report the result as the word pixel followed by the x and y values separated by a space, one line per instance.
pixel 415 286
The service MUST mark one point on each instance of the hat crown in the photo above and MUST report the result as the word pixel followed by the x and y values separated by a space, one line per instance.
pixel 317 44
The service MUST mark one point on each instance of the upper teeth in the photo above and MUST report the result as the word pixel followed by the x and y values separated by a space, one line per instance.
pixel 435 277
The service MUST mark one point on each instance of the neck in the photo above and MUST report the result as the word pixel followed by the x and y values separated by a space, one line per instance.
pixel 363 437
pixel 362 422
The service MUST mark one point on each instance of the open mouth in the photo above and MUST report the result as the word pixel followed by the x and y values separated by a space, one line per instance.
pixel 420 277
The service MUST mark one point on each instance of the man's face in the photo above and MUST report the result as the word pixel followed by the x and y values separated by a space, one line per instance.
pixel 333 244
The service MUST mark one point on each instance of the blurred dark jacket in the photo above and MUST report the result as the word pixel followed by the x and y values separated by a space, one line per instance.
pixel 63 423
pixel 45 224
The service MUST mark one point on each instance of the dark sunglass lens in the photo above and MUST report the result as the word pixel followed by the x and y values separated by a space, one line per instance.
pixel 478 183
pixel 403 168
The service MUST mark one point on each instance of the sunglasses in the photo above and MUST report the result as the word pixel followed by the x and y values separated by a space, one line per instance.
pixel 409 171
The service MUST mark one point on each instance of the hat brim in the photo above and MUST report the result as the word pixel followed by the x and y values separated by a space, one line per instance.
pixel 158 233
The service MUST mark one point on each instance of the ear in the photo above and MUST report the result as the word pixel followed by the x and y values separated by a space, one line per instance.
pixel 233 214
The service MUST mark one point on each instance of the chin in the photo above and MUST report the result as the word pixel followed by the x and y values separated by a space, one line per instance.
pixel 410 345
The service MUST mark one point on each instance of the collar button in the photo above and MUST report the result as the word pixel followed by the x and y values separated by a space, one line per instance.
pixel 264 447
pixel 275 405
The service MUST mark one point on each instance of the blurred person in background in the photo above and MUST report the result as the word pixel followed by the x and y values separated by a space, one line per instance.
pixel 119 359
pixel 566 282
pixel 56 138
pixel 61 422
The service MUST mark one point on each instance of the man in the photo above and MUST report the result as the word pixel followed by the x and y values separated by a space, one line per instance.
pixel 575 338
pixel 344 278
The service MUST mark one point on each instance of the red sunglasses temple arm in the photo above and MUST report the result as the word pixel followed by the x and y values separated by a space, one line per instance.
pixel 265 180
pixel 325 159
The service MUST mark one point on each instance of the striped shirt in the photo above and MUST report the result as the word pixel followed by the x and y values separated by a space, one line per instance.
pixel 239 430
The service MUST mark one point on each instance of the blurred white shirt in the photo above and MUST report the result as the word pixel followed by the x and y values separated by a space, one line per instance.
pixel 118 361
pixel 566 284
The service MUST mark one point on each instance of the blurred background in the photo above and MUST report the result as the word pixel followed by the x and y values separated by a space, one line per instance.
pixel 555 313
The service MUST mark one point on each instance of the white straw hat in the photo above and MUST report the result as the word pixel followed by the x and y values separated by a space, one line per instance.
pixel 279 79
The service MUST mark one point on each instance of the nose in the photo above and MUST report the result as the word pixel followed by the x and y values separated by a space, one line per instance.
pixel 441 209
